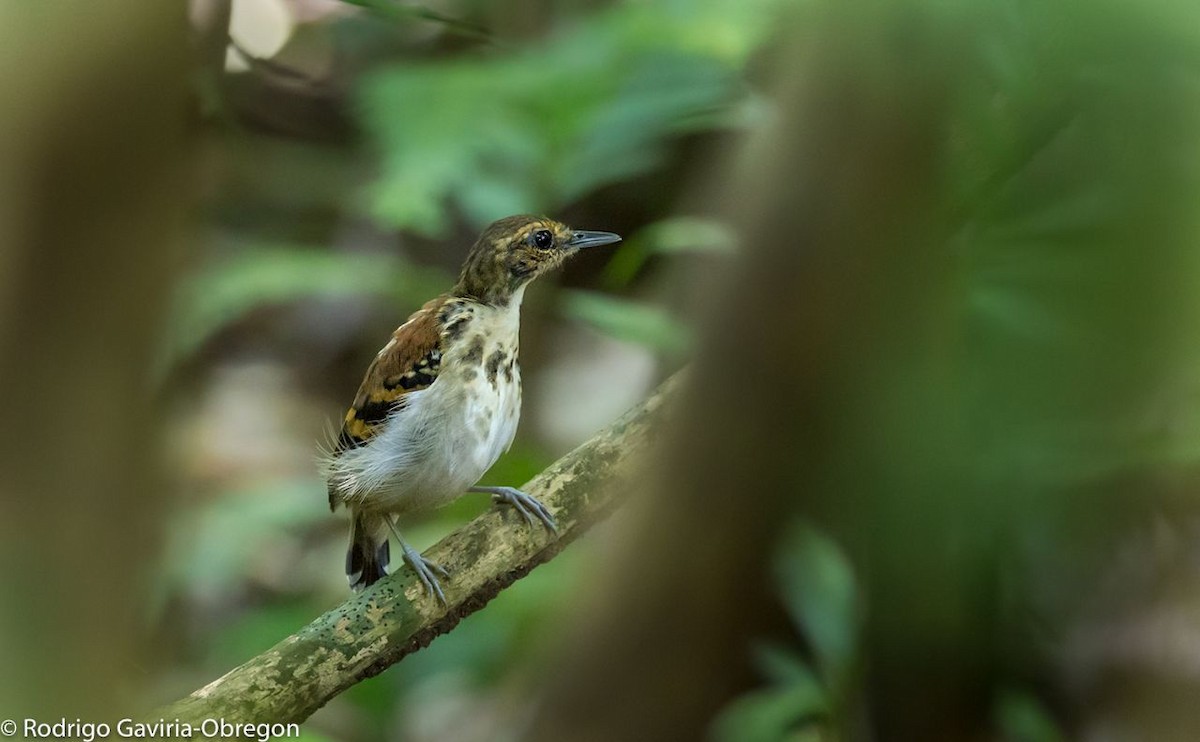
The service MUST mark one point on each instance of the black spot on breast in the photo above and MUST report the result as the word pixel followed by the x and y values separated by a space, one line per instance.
pixel 474 351
pixel 456 327
pixel 508 370
pixel 493 365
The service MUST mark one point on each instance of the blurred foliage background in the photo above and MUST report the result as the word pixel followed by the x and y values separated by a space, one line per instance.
pixel 937 264
pixel 352 151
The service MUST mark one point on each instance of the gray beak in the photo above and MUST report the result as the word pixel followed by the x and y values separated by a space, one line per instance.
pixel 580 240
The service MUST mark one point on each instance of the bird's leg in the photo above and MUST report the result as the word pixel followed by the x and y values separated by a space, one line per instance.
pixel 424 568
pixel 526 505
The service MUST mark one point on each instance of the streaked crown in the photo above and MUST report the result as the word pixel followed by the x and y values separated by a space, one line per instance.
pixel 514 250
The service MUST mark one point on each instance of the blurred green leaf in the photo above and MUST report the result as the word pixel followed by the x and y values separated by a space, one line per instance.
pixel 774 714
pixel 626 320
pixel 405 11
pixel 229 289
pixel 779 663
pixel 818 589
pixel 689 234
pixel 531 130
pixel 670 92
pixel 1023 719
pixel 214 546
pixel 681 234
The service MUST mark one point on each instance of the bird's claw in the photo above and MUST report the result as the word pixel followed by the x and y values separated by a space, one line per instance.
pixel 526 505
pixel 428 572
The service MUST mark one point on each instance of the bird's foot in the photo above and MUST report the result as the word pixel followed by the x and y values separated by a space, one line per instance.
pixel 427 571
pixel 526 505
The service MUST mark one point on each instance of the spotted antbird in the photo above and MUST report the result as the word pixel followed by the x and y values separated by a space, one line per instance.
pixel 440 402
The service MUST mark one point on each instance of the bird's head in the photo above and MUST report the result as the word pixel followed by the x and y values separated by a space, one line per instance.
pixel 517 249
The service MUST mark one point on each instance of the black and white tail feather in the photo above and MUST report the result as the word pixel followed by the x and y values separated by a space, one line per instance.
pixel 369 553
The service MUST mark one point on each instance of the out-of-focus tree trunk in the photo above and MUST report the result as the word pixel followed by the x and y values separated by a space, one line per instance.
pixel 93 185
pixel 837 265
pixel 957 319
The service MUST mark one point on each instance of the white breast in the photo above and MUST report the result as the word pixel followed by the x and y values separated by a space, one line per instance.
pixel 447 436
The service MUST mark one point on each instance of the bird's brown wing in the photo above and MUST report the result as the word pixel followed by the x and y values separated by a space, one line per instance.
pixel 409 362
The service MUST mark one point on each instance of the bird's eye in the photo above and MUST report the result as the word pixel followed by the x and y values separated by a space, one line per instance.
pixel 543 238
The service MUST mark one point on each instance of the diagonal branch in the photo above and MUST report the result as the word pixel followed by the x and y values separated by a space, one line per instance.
pixel 372 631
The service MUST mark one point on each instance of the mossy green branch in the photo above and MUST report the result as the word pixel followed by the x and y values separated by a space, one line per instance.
pixel 377 628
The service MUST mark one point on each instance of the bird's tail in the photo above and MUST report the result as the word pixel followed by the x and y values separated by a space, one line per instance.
pixel 368 555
